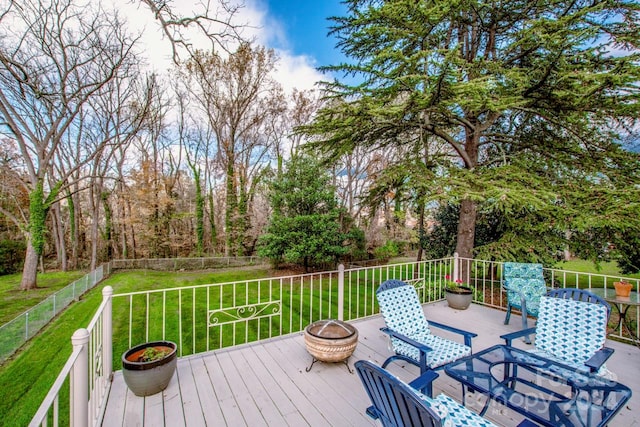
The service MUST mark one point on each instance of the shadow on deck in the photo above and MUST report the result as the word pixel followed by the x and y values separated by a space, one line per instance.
pixel 265 383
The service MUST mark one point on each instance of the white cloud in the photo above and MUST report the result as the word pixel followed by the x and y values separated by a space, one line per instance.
pixel 297 72
pixel 293 71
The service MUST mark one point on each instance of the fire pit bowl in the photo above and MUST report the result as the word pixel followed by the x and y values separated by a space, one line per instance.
pixel 330 340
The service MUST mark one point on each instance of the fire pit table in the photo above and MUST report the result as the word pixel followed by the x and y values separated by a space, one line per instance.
pixel 330 340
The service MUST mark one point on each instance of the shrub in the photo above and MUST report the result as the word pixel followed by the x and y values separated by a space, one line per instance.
pixel 389 250
pixel 11 256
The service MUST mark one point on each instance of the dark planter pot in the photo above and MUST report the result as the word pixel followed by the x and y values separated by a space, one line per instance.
pixel 459 297
pixel 147 378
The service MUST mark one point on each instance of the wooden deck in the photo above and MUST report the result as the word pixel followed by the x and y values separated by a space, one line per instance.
pixel 266 383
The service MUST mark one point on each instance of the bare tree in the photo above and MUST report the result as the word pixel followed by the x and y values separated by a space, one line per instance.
pixel 14 198
pixel 56 57
pixel 214 21
pixel 158 171
pixel 196 141
pixel 237 95
pixel 121 111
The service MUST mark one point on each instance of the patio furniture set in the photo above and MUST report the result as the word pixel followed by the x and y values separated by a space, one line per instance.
pixel 561 381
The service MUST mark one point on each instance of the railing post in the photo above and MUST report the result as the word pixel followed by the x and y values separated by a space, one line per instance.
pixel 341 292
pixel 107 333
pixel 456 266
pixel 79 380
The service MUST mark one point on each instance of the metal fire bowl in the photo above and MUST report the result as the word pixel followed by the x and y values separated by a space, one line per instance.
pixel 331 340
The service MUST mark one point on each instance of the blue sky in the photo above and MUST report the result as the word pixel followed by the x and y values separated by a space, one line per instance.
pixel 298 31
pixel 305 25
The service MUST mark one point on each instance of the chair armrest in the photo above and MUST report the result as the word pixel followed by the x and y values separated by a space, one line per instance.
pixel 466 334
pixel 527 423
pixel 423 348
pixel 598 359
pixel 513 335
pixel 373 412
pixel 424 380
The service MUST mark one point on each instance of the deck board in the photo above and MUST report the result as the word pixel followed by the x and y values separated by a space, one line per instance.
pixel 206 392
pixel 230 411
pixel 114 412
pixel 191 404
pixel 266 383
pixel 274 389
pixel 172 403
pixel 154 410
pixel 293 363
pixel 134 412
pixel 251 380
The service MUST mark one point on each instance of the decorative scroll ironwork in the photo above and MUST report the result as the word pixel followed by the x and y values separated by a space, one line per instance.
pixel 243 313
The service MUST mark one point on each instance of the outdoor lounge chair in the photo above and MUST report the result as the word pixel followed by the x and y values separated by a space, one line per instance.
pixel 410 332
pixel 579 295
pixel 396 403
pixel 525 285
pixel 571 332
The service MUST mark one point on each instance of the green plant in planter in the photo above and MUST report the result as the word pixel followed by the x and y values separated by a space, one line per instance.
pixel 456 286
pixel 458 296
pixel 153 353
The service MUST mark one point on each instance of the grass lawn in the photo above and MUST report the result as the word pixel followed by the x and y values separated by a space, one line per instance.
pixel 582 266
pixel 14 302
pixel 26 378
pixel 584 281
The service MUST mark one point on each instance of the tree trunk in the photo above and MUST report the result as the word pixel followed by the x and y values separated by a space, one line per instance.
pixel 95 191
pixel 108 225
pixel 59 237
pixel 466 229
pixel 242 224
pixel 230 209
pixel 73 232
pixel 30 269
pixel 199 214
pixel 421 233
pixel 421 230
pixel 212 224
pixel 132 233
pixel 466 235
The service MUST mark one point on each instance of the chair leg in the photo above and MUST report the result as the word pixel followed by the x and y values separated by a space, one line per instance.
pixel 506 319
pixel 525 325
pixel 428 390
pixel 523 309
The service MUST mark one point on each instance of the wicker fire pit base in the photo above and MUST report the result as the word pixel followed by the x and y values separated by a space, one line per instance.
pixel 330 341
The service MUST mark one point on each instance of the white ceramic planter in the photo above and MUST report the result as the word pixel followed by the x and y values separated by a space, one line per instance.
pixel 147 378
pixel 459 300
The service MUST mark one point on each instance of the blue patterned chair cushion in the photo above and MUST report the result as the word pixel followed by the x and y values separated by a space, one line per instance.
pixel 524 280
pixel 453 414
pixel 403 313
pixel 443 350
pixel 531 289
pixel 522 269
pixel 570 331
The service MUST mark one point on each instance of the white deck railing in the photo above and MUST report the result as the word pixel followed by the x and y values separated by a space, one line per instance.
pixel 211 316
pixel 89 370
pixel 205 317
